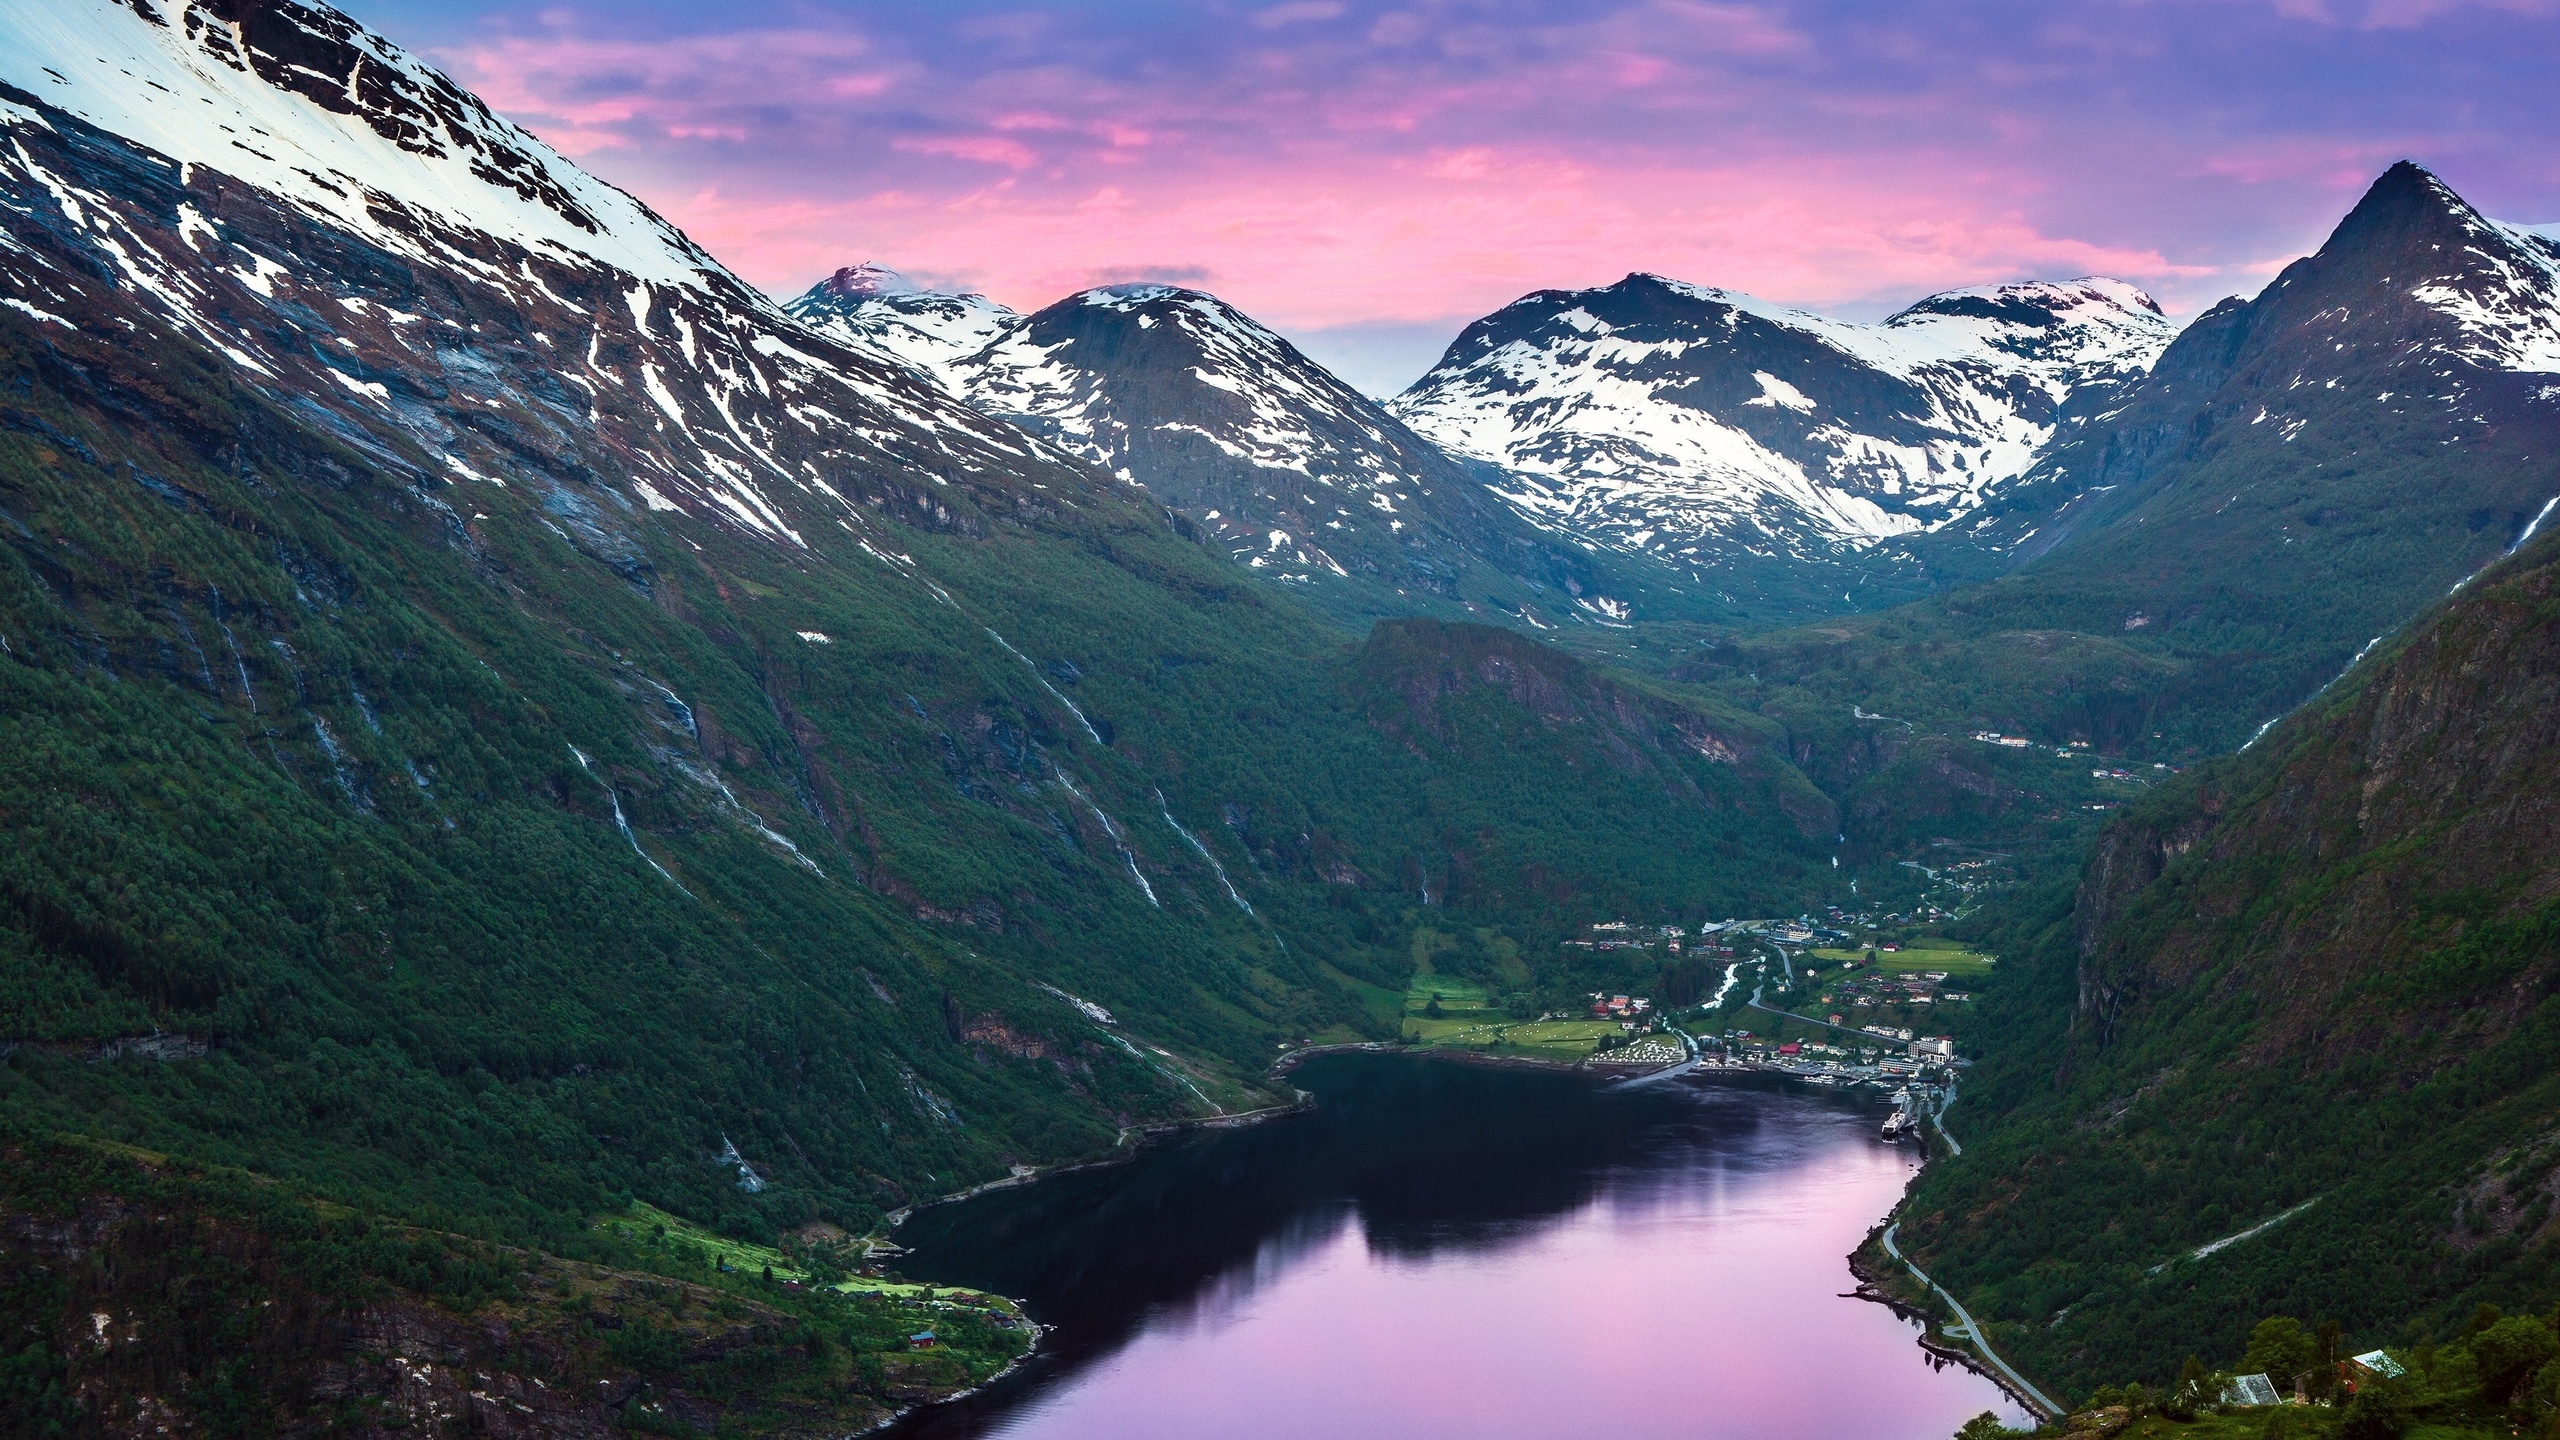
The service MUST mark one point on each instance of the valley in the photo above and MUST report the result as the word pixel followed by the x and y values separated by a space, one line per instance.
pixel 560 813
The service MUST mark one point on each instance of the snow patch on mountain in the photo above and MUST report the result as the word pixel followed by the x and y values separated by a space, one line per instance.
pixel 2509 311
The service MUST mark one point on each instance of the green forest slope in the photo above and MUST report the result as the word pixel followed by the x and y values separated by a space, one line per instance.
pixel 2316 981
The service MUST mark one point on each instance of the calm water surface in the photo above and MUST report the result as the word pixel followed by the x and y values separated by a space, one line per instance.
pixel 1442 1249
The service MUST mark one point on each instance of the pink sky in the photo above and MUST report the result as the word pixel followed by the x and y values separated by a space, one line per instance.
pixel 1370 176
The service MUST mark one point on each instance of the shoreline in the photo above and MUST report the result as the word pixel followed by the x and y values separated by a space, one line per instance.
pixel 1463 1055
pixel 1454 1053
pixel 1871 1288
pixel 1133 1140
pixel 1016 1363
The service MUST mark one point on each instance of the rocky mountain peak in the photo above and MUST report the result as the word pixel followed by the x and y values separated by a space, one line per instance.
pixel 876 308
pixel 2417 260
pixel 866 281
pixel 1140 292
pixel 1166 334
pixel 2405 203
pixel 2446 277
pixel 2389 395
pixel 2038 304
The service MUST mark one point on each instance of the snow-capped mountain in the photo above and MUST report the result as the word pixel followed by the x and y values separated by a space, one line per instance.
pixel 876 306
pixel 1292 472
pixel 2300 474
pixel 1703 425
pixel 358 235
pixel 2422 329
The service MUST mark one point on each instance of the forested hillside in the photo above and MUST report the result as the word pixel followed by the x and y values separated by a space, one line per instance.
pixel 2315 982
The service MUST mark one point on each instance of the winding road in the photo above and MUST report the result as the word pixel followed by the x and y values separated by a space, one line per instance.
pixel 1965 1329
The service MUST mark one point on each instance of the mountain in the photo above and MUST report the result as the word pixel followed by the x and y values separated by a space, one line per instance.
pixel 2420 320
pixel 1772 450
pixel 501 725
pixel 506 733
pixel 341 222
pixel 1274 460
pixel 875 306
pixel 2301 473
pixel 2316 984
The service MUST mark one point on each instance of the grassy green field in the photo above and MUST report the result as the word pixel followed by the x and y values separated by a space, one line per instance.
pixel 1916 955
pixel 1454 995
pixel 1469 1020
pixel 646 1223
pixel 1938 955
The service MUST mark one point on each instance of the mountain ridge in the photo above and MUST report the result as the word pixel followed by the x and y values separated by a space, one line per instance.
pixel 1274 460
pixel 1697 423
pixel 2439 318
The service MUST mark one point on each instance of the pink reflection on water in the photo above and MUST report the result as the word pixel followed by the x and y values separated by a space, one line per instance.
pixel 1696 1297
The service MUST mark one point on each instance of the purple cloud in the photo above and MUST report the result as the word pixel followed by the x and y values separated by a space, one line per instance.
pixel 1341 164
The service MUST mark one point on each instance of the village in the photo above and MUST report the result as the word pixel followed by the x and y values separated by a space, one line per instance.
pixel 1806 998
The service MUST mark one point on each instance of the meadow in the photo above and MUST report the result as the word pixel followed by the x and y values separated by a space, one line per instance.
pixel 1469 1019
pixel 1926 953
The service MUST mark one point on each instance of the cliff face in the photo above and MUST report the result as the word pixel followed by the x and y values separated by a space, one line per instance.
pixel 2324 972
pixel 2355 884
pixel 2123 864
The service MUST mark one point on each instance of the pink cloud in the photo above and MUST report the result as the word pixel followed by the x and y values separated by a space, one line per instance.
pixel 1345 163
pixel 985 149
pixel 1378 247
pixel 1296 11
pixel 2403 14
pixel 585 95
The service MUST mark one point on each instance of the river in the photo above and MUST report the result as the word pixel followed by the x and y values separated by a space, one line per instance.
pixel 1442 1249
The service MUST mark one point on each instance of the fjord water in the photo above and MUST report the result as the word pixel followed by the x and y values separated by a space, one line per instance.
pixel 1447 1249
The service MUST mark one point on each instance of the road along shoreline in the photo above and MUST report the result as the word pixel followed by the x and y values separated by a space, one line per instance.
pixel 1990 1365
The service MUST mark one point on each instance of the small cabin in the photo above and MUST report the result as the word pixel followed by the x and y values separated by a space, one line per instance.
pixel 921 1340
pixel 2250 1390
